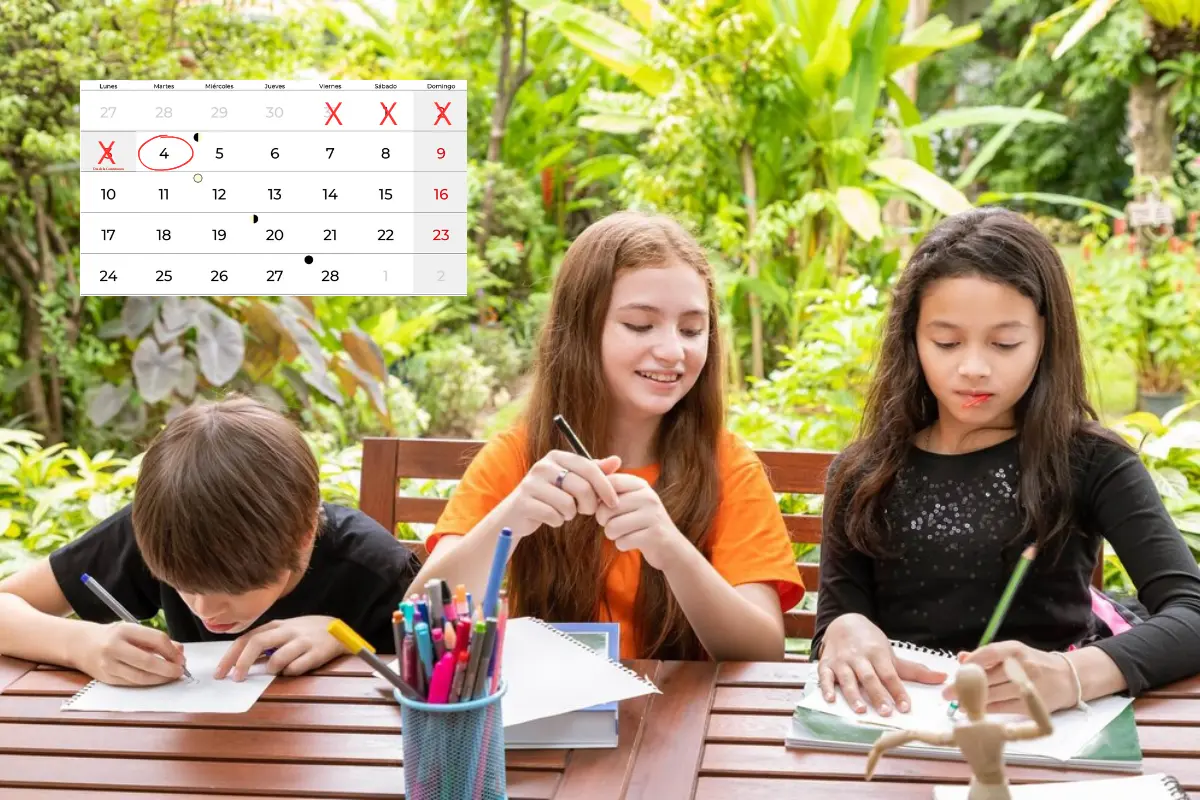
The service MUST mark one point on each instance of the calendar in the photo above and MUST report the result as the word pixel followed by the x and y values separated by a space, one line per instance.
pixel 273 187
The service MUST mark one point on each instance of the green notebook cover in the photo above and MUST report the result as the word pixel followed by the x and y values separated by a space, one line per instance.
pixel 1116 748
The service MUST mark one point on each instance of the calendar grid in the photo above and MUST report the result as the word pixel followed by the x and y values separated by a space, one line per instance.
pixel 261 188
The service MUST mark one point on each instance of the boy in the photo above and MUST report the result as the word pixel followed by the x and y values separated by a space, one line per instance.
pixel 228 536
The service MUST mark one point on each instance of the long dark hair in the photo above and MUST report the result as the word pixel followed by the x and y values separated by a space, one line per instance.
pixel 1000 246
pixel 559 573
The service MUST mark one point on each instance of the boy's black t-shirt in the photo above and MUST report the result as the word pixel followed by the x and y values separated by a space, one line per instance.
pixel 358 572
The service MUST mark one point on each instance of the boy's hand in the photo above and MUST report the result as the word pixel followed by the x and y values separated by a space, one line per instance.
pixel 125 654
pixel 299 645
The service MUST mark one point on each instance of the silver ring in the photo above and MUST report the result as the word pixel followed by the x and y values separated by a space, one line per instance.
pixel 562 476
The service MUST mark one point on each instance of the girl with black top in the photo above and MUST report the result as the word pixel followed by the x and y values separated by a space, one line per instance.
pixel 978 439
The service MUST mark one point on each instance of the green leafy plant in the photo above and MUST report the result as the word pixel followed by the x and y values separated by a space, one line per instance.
pixel 1170 449
pixel 51 495
pixel 814 398
pixel 1143 307
pixel 186 345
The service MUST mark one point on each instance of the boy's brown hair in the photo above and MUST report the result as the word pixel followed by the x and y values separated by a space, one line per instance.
pixel 227 495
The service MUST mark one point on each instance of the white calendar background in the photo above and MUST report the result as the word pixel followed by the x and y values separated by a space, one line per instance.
pixel 273 188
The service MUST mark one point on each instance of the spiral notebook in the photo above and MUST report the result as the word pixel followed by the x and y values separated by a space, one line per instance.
pixel 205 695
pixel 1104 737
pixel 591 727
pixel 550 673
pixel 1144 787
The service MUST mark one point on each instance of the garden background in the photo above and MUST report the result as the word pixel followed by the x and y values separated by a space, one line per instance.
pixel 809 144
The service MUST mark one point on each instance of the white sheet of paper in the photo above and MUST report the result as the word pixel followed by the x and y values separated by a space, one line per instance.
pixel 1142 787
pixel 1072 728
pixel 549 673
pixel 206 695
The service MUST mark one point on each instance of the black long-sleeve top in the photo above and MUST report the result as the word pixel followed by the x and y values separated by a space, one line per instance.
pixel 952 543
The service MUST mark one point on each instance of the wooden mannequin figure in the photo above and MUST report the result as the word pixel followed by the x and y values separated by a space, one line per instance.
pixel 981 742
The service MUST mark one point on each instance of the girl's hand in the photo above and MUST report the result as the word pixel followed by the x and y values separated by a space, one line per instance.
pixel 857 656
pixel 557 488
pixel 1049 674
pixel 639 522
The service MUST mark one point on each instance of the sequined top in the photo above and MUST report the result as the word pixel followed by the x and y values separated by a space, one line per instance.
pixel 953 537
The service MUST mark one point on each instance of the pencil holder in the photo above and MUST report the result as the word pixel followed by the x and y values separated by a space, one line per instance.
pixel 453 751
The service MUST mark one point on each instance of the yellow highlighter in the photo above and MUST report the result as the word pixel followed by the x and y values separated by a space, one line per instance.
pixel 362 648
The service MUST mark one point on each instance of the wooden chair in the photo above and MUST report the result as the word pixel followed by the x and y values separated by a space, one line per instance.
pixel 386 461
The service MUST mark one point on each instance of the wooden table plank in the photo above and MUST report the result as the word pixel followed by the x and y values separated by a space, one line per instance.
pixel 673 737
pixel 1157 740
pixel 602 773
pixel 11 669
pixel 793 674
pixel 777 788
pixel 72 794
pixel 235 778
pixel 734 760
pixel 384 750
pixel 280 715
pixel 782 701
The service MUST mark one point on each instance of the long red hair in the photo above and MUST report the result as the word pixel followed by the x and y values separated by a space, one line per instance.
pixel 559 573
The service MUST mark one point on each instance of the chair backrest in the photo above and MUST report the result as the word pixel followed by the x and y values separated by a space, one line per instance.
pixel 388 460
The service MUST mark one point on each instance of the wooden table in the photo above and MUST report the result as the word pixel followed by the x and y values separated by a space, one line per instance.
pixel 715 733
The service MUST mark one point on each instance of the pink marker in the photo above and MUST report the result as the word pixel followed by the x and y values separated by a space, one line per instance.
pixel 443 675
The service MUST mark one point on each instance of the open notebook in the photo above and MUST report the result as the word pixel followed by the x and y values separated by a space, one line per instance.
pixel 591 727
pixel 1103 737
pixel 1143 787
pixel 205 695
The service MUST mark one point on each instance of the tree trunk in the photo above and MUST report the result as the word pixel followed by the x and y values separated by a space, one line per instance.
pixel 34 270
pixel 506 90
pixel 1151 129
pixel 750 190
pixel 895 211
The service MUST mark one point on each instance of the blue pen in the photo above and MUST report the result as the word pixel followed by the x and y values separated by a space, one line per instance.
pixel 424 648
pixel 499 560
pixel 423 611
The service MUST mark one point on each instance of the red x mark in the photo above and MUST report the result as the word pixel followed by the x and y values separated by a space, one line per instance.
pixel 387 113
pixel 107 152
pixel 333 113
pixel 441 112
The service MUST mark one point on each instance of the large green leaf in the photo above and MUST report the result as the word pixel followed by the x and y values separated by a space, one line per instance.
pixel 935 35
pixel 984 115
pixel 868 68
pixel 646 12
pixel 910 116
pixel 989 150
pixel 924 184
pixel 615 123
pixel 828 65
pixel 1050 197
pixel 1090 18
pixel 616 46
pixel 860 209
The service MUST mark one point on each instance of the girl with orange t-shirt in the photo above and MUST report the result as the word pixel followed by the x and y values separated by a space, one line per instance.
pixel 675 533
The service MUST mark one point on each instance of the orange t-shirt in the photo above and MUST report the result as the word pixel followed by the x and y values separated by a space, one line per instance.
pixel 749 541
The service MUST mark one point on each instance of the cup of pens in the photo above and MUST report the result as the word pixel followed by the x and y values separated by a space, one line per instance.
pixel 448 685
